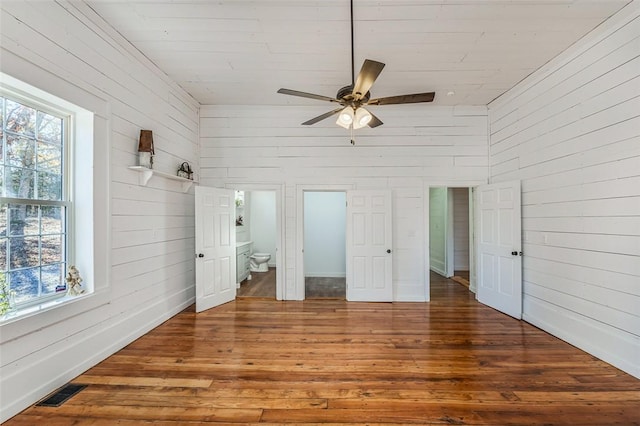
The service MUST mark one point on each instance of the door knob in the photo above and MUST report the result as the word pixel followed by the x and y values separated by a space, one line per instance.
pixel 200 255
pixel 388 250
pixel 514 253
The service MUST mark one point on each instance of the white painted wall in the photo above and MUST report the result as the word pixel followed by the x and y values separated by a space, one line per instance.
pixel 460 228
pixel 146 244
pixel 325 215
pixel 571 134
pixel 438 230
pixel 263 223
pixel 419 145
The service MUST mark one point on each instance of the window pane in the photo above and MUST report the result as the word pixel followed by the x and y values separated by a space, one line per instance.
pixel 19 182
pixel 51 249
pixel 20 119
pixel 25 283
pixel 49 128
pixel 51 221
pixel 49 158
pixel 33 238
pixel 1 115
pixel 3 220
pixel 21 152
pixel 24 252
pixel 3 254
pixel 49 186
pixel 3 240
pixel 23 220
pixel 53 279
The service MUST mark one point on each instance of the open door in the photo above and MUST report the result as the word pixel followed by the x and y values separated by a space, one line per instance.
pixel 368 239
pixel 215 247
pixel 498 228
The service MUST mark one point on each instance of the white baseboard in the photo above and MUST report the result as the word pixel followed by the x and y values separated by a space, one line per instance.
pixel 607 343
pixel 438 270
pixel 325 274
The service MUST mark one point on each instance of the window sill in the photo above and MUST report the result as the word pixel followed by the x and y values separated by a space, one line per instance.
pixel 30 311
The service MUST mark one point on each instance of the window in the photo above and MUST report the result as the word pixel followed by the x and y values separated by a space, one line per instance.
pixel 35 208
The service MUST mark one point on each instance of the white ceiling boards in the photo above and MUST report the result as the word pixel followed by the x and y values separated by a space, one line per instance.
pixel 242 51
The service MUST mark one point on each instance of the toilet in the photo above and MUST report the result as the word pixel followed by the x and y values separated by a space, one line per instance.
pixel 258 262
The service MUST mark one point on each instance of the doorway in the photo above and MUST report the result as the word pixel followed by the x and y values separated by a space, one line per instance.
pixel 451 234
pixel 324 244
pixel 257 242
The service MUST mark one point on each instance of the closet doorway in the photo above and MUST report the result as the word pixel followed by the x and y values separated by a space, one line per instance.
pixel 325 244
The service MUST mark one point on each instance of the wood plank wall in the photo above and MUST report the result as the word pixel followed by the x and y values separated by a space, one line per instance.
pixel 571 134
pixel 418 146
pixel 66 49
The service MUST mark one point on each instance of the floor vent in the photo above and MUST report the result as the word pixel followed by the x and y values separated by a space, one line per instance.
pixel 61 396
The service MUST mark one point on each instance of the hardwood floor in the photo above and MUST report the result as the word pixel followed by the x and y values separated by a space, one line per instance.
pixel 261 284
pixel 461 277
pixel 450 361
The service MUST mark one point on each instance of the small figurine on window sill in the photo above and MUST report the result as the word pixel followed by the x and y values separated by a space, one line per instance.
pixel 73 280
pixel 7 296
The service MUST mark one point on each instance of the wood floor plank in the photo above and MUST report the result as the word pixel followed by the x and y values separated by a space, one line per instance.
pixel 260 361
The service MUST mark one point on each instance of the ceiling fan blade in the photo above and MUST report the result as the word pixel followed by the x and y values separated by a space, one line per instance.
pixel 375 121
pixel 368 73
pixel 322 117
pixel 404 99
pixel 306 95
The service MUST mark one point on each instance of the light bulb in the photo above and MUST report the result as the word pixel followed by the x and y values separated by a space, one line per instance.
pixel 345 118
pixel 362 118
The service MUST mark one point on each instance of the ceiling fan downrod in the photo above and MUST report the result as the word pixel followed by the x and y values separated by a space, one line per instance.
pixel 353 67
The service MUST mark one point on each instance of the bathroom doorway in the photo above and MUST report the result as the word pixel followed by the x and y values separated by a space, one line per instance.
pixel 451 235
pixel 325 244
pixel 257 242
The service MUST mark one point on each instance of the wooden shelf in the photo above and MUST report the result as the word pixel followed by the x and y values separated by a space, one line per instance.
pixel 146 174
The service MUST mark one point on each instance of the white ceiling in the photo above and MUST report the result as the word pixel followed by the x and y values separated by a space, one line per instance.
pixel 243 51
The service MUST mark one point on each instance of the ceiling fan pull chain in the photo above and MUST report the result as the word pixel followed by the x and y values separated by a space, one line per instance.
pixel 353 141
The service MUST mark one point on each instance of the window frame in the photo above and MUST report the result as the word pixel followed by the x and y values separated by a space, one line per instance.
pixel 67 192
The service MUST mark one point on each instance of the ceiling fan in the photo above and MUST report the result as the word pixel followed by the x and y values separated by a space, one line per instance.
pixel 354 97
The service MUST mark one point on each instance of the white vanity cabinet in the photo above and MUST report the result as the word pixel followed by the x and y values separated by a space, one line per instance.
pixel 243 252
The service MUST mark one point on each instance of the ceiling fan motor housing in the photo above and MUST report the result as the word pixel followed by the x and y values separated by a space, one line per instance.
pixel 346 94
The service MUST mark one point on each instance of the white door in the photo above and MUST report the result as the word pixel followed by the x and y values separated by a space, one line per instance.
pixel 369 256
pixel 215 247
pixel 498 228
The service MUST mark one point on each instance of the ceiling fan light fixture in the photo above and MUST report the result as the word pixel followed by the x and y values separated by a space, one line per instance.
pixel 362 118
pixel 345 117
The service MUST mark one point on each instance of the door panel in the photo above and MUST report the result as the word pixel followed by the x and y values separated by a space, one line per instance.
pixel 499 227
pixel 215 247
pixel 369 266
